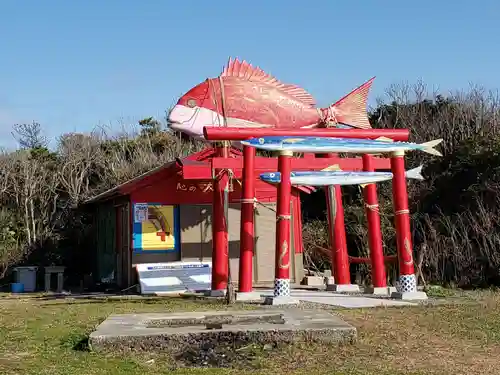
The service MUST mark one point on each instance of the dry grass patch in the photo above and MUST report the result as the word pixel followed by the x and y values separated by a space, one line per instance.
pixel 49 337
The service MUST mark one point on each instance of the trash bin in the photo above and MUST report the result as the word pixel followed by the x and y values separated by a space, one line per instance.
pixel 17 288
pixel 27 277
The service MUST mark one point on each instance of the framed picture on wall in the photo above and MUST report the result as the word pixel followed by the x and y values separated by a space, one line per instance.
pixel 156 228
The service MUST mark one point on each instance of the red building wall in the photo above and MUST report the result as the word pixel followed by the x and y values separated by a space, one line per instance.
pixel 168 187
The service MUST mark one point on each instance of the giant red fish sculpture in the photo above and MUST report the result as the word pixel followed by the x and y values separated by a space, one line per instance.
pixel 246 96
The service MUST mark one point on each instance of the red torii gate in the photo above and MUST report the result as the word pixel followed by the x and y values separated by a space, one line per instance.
pixel 339 255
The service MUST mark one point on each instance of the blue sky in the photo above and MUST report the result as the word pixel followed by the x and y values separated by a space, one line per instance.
pixel 72 65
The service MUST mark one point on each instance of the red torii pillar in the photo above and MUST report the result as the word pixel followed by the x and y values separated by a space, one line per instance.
pixel 283 226
pixel 379 278
pixel 337 239
pixel 247 241
pixel 220 248
pixel 407 280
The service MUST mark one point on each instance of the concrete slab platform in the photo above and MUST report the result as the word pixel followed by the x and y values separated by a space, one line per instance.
pixel 343 288
pixel 314 280
pixel 381 291
pixel 278 301
pixel 410 296
pixel 329 280
pixel 174 332
pixel 216 293
pixel 358 300
pixel 346 301
pixel 248 296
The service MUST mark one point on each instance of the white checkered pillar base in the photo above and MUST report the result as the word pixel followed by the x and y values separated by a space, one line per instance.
pixel 407 283
pixel 282 287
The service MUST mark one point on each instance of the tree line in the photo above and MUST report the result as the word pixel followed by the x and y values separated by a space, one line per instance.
pixel 455 211
pixel 42 189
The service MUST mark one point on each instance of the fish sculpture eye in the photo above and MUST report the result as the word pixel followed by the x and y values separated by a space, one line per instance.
pixel 272 175
pixel 262 141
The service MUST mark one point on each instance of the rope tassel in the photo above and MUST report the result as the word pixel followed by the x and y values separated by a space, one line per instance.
pixel 283 217
pixel 402 212
pixel 372 207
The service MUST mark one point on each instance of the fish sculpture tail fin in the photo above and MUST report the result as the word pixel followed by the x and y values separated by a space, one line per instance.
pixel 415 173
pixel 351 109
pixel 429 147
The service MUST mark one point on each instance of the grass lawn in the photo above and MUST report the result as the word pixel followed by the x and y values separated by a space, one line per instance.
pixel 42 337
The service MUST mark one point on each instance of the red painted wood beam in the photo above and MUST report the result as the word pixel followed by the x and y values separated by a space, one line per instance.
pixel 204 171
pixel 303 164
pixel 216 133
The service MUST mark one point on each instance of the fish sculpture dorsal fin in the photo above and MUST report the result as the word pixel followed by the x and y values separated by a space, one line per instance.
pixel 330 168
pixel 244 70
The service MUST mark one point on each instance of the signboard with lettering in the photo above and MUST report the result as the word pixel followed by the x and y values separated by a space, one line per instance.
pixel 201 187
pixel 140 212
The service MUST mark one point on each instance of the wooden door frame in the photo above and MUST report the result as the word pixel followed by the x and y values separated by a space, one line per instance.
pixel 118 245
pixel 127 241
pixel 123 249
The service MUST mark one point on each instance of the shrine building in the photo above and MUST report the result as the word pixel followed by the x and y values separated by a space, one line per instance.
pixel 165 214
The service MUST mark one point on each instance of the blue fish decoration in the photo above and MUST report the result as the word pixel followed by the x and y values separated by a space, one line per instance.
pixel 349 145
pixel 326 178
